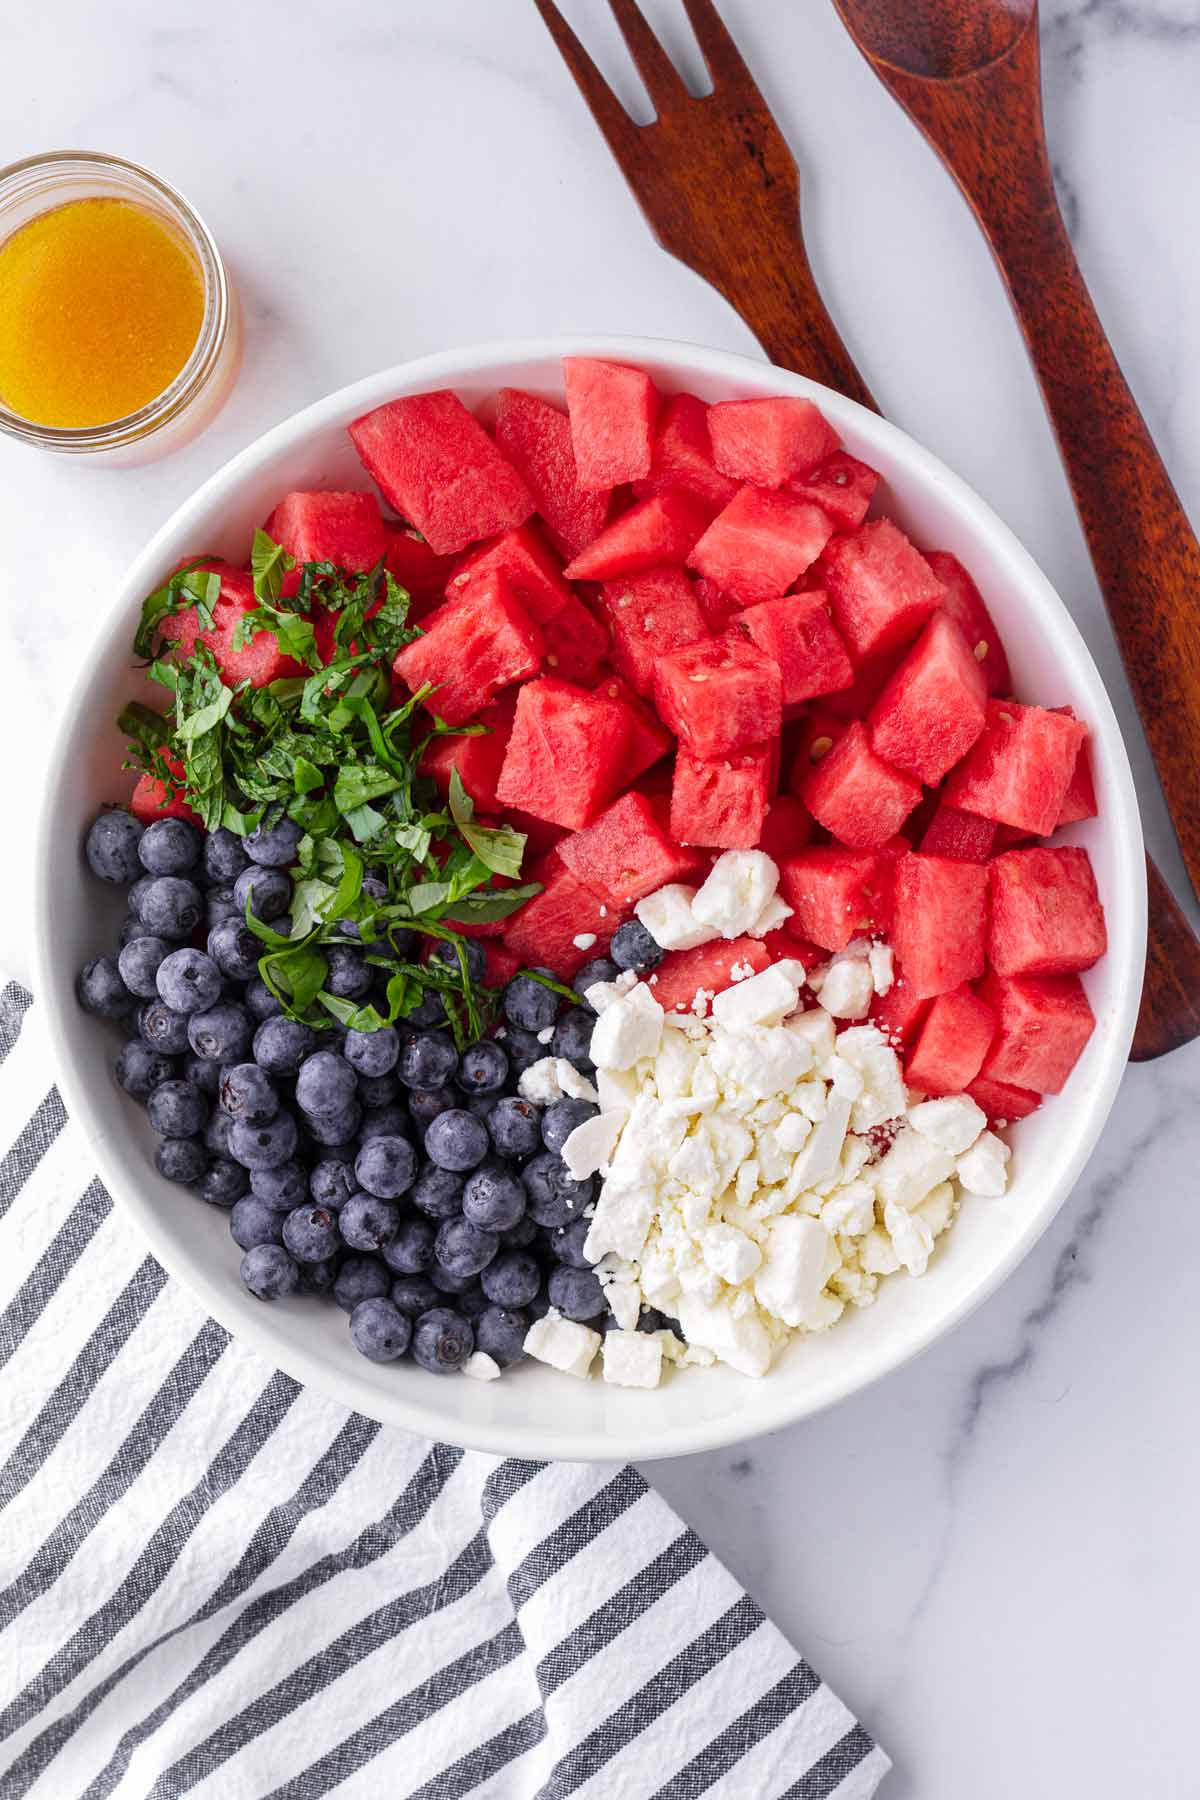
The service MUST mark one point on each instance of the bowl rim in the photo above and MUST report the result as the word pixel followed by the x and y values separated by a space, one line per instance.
pixel 470 364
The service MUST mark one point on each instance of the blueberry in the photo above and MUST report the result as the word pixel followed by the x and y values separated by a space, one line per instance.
pixel 386 1167
pixel 515 1127
pixel 310 1233
pixel 650 1319
pixel 334 1130
pixel 472 1301
pixel 424 1104
pixel 442 1341
pixel 632 947
pixel 170 906
pixel 522 1049
pixel 481 1106
pixel 567 1241
pixel 235 949
pixel 181 1159
pixel 377 1090
pixel 252 1222
pixel 427 1060
pixel 428 1012
pixel 224 857
pixel 438 1192
pixel 319 1277
pixel 284 1187
pixel 384 1121
pixel 576 1293
pixel 368 1223
pixel 599 969
pixel 554 1197
pixel 372 1052
pixel 131 929
pixel 483 1068
pixel 188 981
pixel 573 1037
pixel 463 1249
pixel 274 846
pixel 219 907
pixel 360 1278
pixel 456 1140
pixel 281 1045
pixel 111 846
pixel 223 1033
pixel 141 1068
pixel 520 1235
pixel 414 1295
pixel 410 1252
pixel 529 1004
pixel 166 1030
pixel 202 1072
pixel 101 990
pixel 269 1272
pixel 176 1109
pixel 261 1003
pixel 247 1093
pixel 326 1085
pixel 349 975
pixel 474 952
pixel 169 847
pixel 500 1334
pixel 217 1134
pixel 560 1119
pixel 447 1283
pixel 331 1183
pixel 493 1197
pixel 269 892
pixel 223 1183
pixel 380 1331
pixel 264 1146
pixel 137 893
pixel 512 1279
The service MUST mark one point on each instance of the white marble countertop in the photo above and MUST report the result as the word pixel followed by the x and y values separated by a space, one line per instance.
pixel 992 1555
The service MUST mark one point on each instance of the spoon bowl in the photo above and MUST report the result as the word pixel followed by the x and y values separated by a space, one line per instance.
pixel 939 40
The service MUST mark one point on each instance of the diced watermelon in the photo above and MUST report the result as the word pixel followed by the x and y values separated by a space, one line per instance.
pixel 796 632
pixel 855 795
pixel 841 486
pixel 536 439
pixel 769 441
pixel 952 1044
pixel 542 933
pixel 933 708
pixel 834 894
pixel 707 970
pixel 437 466
pixel 418 568
pixel 900 1012
pixel 880 586
pixel 472 647
pixel 1019 770
pixel 567 754
pixel 1046 913
pixel 719 695
pixel 723 804
pixel 1043 1024
pixel 346 529
pixel 540 836
pixel 757 546
pixel 939 921
pixel 648 741
pixel 659 530
pixel 1002 1102
pixel 718 607
pixel 962 835
pixel 786 828
pixel 577 645
pixel 682 456
pixel 259 662
pixel 650 614
pixel 533 574
pixel 477 759
pixel 501 965
pixel 1079 801
pixel 612 409
pixel 627 854
pixel 807 742
pixel 153 798
pixel 965 605
pixel 870 679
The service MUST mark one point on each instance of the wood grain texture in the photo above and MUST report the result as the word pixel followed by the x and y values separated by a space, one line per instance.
pixel 720 190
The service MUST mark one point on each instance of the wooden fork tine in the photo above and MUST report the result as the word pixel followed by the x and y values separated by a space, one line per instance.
pixel 662 79
pixel 614 122
pixel 721 55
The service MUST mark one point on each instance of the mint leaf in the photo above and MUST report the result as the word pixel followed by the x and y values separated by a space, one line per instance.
pixel 269 562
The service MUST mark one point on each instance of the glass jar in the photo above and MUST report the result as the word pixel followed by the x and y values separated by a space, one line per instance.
pixel 183 408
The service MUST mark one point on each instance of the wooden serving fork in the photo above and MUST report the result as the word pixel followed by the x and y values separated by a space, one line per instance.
pixel 720 190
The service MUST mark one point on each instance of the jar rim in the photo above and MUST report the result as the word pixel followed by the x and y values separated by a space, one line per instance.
pixel 42 174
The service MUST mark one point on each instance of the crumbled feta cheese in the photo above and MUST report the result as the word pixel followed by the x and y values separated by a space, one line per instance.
pixel 729 1253
pixel 850 1210
pixel 818 1031
pixel 546 1034
pixel 883 1094
pixel 584 940
pixel 616 1090
pixel 984 1168
pixel 479 1366
pixel 737 889
pixel 633 1359
pixel 772 916
pixel 591 1144
pixel 562 1343
pixel 628 1031
pixel 743 1343
pixel 912 1239
pixel 910 1169
pixel 817 1162
pixel 800 1257
pixel 620 1222
pixel 574 1085
pixel 877 1253
pixel 952 1123
pixel 539 1083
pixel 882 965
pixel 792 1132
pixel 764 999
pixel 938 1207
pixel 847 990
pixel 668 917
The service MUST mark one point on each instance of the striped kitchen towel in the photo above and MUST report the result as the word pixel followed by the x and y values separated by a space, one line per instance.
pixel 217 1583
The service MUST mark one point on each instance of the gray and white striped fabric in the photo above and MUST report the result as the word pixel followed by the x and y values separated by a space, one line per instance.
pixel 217 1583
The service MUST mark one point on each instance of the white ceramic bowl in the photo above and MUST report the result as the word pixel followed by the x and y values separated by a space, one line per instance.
pixel 534 1412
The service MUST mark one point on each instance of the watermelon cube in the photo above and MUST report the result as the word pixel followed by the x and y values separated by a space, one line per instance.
pixel 861 800
pixel 345 529
pixel 952 1043
pixel 718 607
pixel 1019 770
pixel 627 853
pixel 612 409
pixel 900 1012
pixel 834 894
pixel 421 572
pixel 870 679
pixel 939 921
pixel 786 829
pixel 1046 914
pixel 577 644
pixel 153 798
pixel 719 695
pixel 478 759
pixel 471 648
pixel 1043 1023
pixel 648 741
pixel 533 573
pixel 722 804
pixel 542 933
pixel 808 741
pixel 682 456
pixel 687 979
pixel 260 661
pixel 963 603
pixel 539 834
pixel 650 614
pixel 536 439
pixel 567 754
pixel 880 587
pixel 659 530
pixel 436 465
pixel 759 544
pixel 796 632
pixel 769 441
pixel 500 966
pixel 1001 1101
pixel 1079 801
pixel 962 835
pixel 841 486
pixel 934 707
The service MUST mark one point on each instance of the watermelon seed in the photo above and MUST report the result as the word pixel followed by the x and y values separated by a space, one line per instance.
pixel 981 650
pixel 820 747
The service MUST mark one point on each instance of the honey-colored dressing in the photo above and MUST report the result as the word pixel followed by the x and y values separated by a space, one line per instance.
pixel 100 307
